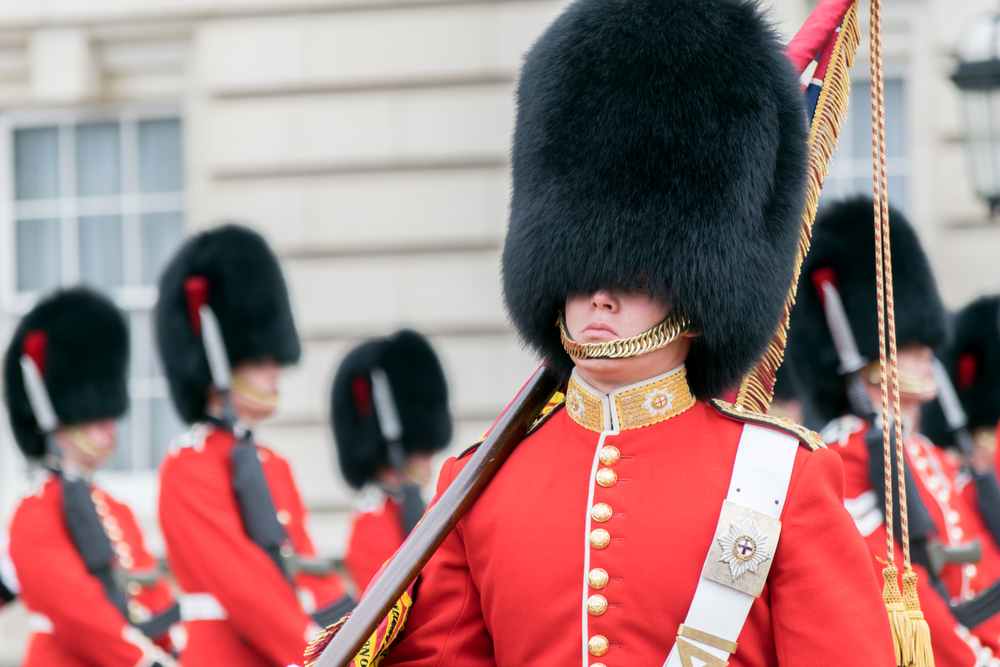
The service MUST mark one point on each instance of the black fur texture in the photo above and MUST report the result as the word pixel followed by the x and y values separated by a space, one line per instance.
pixel 419 389
pixel 844 241
pixel 248 294
pixel 784 384
pixel 976 338
pixel 659 142
pixel 86 364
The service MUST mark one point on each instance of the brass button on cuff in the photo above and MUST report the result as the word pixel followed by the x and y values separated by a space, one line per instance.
pixel 598 645
pixel 606 477
pixel 599 538
pixel 600 512
pixel 610 455
pixel 598 578
pixel 597 605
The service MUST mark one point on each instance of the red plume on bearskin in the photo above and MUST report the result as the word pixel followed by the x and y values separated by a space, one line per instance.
pixel 35 345
pixel 196 292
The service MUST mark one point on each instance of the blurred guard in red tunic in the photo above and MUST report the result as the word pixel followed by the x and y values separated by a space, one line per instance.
pixel 972 360
pixel 232 517
pixel 92 591
pixel 957 596
pixel 658 186
pixel 390 414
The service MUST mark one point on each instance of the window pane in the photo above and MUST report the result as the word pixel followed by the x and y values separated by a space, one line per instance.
pixel 160 165
pixel 160 235
pixel 97 159
pixel 164 427
pixel 37 254
pixel 101 250
pixel 895 118
pixel 36 163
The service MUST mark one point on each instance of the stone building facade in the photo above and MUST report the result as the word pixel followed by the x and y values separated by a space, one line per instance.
pixel 369 141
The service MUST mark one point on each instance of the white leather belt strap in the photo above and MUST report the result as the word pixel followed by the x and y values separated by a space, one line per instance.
pixel 761 474
pixel 202 607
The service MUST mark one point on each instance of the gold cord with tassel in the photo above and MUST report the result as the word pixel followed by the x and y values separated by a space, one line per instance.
pixel 911 634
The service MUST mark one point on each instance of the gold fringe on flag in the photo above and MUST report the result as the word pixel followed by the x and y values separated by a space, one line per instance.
pixel 757 387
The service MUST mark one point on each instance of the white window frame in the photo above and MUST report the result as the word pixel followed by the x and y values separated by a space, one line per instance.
pixel 131 298
pixel 843 168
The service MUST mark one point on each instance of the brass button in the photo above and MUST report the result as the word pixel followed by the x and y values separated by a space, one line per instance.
pixel 102 508
pixel 597 664
pixel 610 455
pixel 598 645
pixel 606 477
pixel 597 578
pixel 284 517
pixel 601 512
pixel 599 538
pixel 597 605
pixel 126 561
pixel 134 588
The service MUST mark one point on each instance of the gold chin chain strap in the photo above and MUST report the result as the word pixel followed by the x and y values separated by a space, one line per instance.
pixel 243 389
pixel 911 634
pixel 83 442
pixel 907 383
pixel 670 329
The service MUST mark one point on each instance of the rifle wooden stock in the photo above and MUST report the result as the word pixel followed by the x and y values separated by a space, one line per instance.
pixel 442 518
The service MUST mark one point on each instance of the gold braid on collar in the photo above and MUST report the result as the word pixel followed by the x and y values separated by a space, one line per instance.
pixel 663 334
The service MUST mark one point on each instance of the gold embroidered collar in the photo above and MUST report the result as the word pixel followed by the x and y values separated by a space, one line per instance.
pixel 644 404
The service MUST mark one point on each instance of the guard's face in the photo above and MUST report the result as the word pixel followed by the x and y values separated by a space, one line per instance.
pixel 611 314
pixel 87 445
pixel 915 375
pixel 254 390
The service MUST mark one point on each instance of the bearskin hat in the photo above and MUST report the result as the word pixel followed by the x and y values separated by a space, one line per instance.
pixel 658 142
pixel 419 390
pixel 80 343
pixel 245 289
pixel 843 244
pixel 972 359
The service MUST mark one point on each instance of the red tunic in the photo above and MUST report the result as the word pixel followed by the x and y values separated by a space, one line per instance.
pixel 376 533
pixel 950 497
pixel 72 621
pixel 510 585
pixel 263 621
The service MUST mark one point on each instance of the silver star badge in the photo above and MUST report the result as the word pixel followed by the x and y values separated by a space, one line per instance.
pixel 744 548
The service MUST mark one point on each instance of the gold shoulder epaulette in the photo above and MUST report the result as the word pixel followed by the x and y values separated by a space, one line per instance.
pixel 555 402
pixel 810 439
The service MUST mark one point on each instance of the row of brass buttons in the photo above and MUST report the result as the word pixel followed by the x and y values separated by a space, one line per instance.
pixel 599 539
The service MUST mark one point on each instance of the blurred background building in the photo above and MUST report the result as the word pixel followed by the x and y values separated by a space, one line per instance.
pixel 368 140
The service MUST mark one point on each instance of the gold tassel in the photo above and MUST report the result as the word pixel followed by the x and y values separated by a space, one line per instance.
pixel 923 654
pixel 902 631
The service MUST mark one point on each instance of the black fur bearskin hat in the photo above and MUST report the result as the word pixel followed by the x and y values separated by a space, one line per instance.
pixel 242 282
pixel 658 141
pixel 972 359
pixel 419 392
pixel 843 247
pixel 80 343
